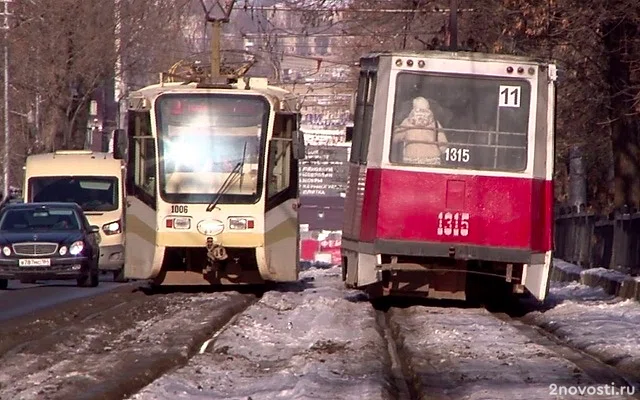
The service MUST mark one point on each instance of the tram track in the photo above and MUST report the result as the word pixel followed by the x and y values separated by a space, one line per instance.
pixel 404 389
pixel 586 362
pixel 128 382
pixel 449 358
pixel 17 333
pixel 518 314
pixel 407 384
pixel 111 346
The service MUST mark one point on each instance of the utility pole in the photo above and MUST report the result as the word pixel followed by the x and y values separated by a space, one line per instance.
pixel 5 27
pixel 453 25
pixel 216 30
pixel 120 88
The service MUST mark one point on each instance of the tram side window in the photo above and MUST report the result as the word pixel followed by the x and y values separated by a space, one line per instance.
pixel 280 156
pixel 279 159
pixel 363 117
pixel 146 166
pixel 143 162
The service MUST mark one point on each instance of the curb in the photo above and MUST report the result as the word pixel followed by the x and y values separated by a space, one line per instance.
pixel 612 282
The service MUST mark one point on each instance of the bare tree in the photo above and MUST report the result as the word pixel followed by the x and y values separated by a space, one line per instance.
pixel 595 45
pixel 63 50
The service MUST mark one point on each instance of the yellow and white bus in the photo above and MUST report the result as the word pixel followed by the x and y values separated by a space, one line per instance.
pixel 212 183
pixel 93 180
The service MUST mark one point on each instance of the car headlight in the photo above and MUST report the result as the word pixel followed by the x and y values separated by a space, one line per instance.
pixel 76 248
pixel 63 250
pixel 6 251
pixel 112 228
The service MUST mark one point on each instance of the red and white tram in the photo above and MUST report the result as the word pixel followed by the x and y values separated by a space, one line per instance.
pixel 450 188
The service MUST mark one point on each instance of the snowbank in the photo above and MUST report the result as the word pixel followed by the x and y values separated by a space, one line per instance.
pixel 612 282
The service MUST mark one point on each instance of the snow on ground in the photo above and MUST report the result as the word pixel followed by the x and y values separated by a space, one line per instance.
pixel 589 319
pixel 322 342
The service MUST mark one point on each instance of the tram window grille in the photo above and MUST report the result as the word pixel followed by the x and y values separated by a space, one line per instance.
pixel 501 151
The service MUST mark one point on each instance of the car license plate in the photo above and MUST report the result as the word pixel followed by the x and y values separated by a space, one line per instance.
pixel 34 262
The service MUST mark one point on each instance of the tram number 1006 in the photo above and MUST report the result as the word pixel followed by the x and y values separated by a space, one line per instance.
pixel 179 209
pixel 453 224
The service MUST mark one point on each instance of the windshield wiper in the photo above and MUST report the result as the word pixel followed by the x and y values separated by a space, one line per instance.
pixel 227 182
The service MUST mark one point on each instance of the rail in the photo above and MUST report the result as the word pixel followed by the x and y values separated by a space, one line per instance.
pixel 592 240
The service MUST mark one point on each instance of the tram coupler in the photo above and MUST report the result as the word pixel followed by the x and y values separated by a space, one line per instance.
pixel 518 289
pixel 215 254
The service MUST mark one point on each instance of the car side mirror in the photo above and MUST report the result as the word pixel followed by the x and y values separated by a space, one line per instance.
pixel 120 144
pixel 348 134
pixel 298 145
pixel 352 103
pixel 94 229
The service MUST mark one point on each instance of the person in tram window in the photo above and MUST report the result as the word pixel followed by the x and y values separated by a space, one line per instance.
pixel 420 135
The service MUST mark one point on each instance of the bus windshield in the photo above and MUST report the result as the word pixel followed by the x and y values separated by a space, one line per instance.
pixel 92 193
pixel 202 138
pixel 461 121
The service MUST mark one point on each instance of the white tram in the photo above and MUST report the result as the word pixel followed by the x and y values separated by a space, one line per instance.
pixel 212 183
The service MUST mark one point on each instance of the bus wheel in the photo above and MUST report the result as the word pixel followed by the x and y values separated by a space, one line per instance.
pixel 4 283
pixel 118 275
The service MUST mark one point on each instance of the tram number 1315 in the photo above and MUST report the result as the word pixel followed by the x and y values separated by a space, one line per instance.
pixel 456 154
pixel 453 224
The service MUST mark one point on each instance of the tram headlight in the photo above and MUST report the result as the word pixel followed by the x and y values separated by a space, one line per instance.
pixel 240 223
pixel 178 223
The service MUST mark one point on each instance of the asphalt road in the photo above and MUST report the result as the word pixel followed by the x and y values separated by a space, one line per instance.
pixel 20 299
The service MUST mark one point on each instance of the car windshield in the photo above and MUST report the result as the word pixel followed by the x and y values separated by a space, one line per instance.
pixel 92 193
pixel 30 219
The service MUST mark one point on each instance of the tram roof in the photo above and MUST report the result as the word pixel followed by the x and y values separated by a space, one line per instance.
pixel 461 55
pixel 256 86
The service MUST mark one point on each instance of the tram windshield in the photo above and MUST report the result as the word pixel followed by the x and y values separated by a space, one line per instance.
pixel 203 137
pixel 467 122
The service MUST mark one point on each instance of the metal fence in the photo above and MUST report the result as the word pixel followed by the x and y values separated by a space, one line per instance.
pixel 591 240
